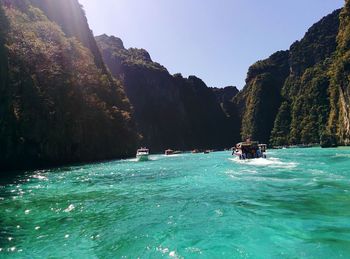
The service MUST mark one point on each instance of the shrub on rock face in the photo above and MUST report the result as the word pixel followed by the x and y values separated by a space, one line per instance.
pixel 328 140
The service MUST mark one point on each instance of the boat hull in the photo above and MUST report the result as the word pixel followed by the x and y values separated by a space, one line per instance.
pixel 242 157
pixel 142 158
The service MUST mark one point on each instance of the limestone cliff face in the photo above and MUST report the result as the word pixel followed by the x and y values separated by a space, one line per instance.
pixel 70 17
pixel 261 98
pixel 287 97
pixel 296 96
pixel 58 103
pixel 170 111
pixel 339 120
pixel 225 96
pixel 306 89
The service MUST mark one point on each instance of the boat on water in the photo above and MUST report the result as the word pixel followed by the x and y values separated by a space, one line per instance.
pixel 169 152
pixel 250 150
pixel 142 154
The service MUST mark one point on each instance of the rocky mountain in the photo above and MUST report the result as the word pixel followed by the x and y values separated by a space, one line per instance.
pixel 293 96
pixel 58 102
pixel 67 97
pixel 170 111
pixel 224 97
pixel 260 99
pixel 296 96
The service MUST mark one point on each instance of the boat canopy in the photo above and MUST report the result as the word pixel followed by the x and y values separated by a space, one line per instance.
pixel 143 150
pixel 250 150
pixel 248 144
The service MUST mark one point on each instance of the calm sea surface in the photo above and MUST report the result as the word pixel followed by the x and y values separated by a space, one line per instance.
pixel 295 204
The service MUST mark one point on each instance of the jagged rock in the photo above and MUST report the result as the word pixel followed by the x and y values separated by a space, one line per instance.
pixel 170 111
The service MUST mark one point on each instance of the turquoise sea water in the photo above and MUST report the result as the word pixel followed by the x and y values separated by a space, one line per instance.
pixel 295 204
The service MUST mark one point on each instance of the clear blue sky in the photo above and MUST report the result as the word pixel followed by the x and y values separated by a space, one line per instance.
pixel 216 40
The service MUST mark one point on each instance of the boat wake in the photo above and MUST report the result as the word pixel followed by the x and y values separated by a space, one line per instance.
pixel 342 155
pixel 174 155
pixel 157 157
pixel 271 162
pixel 150 158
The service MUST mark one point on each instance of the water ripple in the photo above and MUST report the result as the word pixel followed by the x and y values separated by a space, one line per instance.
pixel 294 204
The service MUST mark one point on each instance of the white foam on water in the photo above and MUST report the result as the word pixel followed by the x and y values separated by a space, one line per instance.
pixel 40 177
pixel 219 212
pixel 162 250
pixel 238 174
pixel 150 158
pixel 135 160
pixel 174 155
pixel 193 250
pixel 316 172
pixel 156 157
pixel 70 208
pixel 325 176
pixel 342 155
pixel 241 171
pixel 271 162
pixel 167 251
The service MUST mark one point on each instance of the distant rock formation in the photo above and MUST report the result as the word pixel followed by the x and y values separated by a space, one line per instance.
pixel 170 111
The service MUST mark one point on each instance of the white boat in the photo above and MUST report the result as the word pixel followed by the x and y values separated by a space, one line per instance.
pixel 142 154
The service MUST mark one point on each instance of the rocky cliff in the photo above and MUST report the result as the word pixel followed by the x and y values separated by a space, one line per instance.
pixel 170 111
pixel 58 103
pixel 288 97
pixel 339 73
pixel 224 97
pixel 260 99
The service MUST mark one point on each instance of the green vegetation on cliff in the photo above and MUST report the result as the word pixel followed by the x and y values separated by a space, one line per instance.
pixel 339 72
pixel 288 100
pixel 58 105
pixel 261 98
